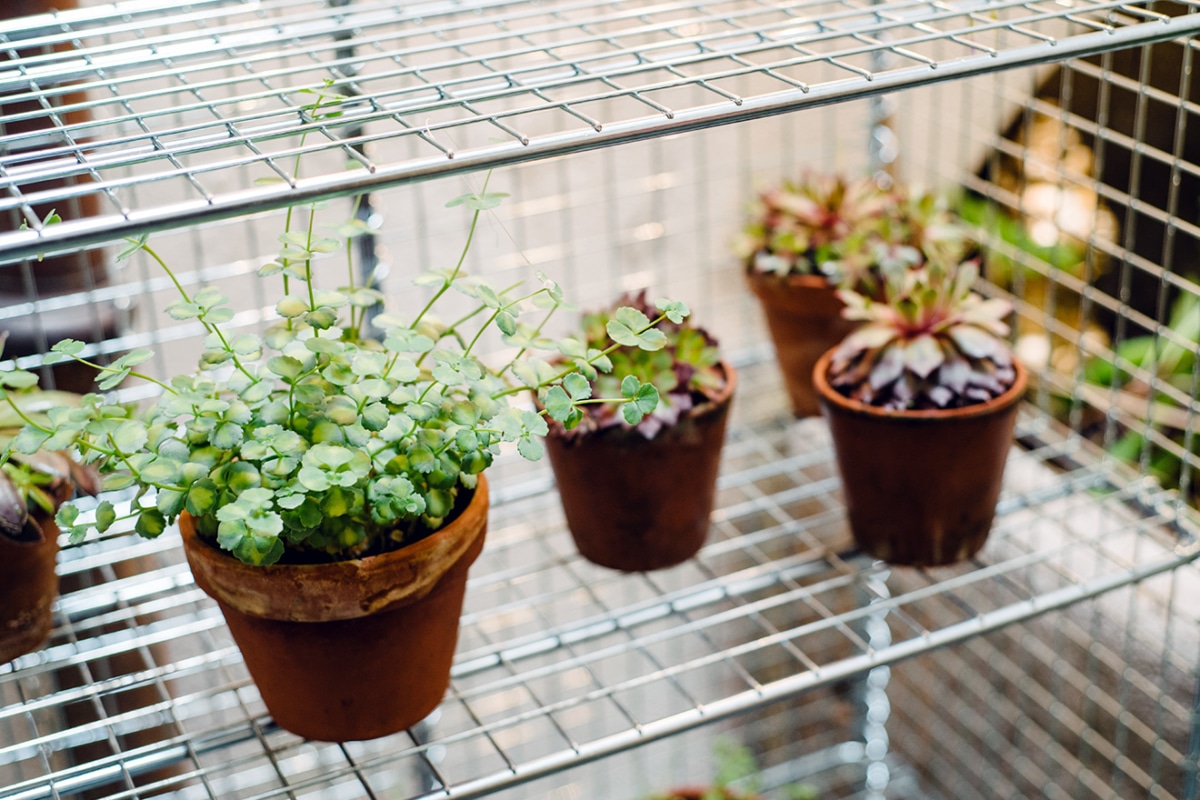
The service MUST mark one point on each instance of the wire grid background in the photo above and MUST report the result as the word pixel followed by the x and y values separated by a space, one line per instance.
pixel 142 693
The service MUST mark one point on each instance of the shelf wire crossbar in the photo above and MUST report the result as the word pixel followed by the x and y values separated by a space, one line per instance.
pixel 97 102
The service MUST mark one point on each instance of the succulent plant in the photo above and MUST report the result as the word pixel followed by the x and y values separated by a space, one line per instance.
pixel 314 441
pixel 932 343
pixel 822 225
pixel 849 231
pixel 676 358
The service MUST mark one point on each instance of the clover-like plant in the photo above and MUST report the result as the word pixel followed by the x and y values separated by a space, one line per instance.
pixel 669 359
pixel 933 343
pixel 322 439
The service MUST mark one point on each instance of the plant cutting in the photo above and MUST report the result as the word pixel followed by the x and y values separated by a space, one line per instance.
pixel 808 239
pixel 328 484
pixel 653 470
pixel 32 488
pixel 921 402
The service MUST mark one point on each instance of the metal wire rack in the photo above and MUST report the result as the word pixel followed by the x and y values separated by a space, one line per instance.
pixel 561 662
pixel 1062 663
pixel 445 88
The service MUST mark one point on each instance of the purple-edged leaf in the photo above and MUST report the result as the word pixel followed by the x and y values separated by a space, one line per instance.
pixel 954 375
pixel 887 369
pixel 12 510
pixel 923 355
pixel 974 342
pixel 940 396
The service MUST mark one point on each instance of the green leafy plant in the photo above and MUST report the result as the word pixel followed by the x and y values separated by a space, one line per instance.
pixel 39 479
pixel 848 230
pixel 1135 378
pixel 670 359
pixel 932 343
pixel 315 441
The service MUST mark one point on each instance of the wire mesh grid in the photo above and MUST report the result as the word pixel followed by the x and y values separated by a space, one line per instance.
pixel 141 691
pixel 99 100
pixel 559 661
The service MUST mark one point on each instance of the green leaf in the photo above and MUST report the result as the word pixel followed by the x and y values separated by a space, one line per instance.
pixel 133 358
pixel 676 311
pixel 286 367
pixel 132 246
pixel 647 398
pixel 477 202
pixel 630 386
pixel 557 402
pixel 106 515
pixel 110 379
pixel 247 345
pixel 150 523
pixel 116 480
pixel 291 307
pixel 18 379
pixel 633 415
pixel 70 347
pixel 506 323
pixel 182 310
pixel 129 437
pixel 577 386
pixel 530 448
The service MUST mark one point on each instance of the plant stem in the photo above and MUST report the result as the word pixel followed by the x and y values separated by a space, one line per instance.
pixel 461 260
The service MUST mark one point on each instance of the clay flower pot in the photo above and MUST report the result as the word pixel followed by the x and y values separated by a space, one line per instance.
pixel 920 486
pixel 352 649
pixel 699 792
pixel 28 586
pixel 804 316
pixel 638 504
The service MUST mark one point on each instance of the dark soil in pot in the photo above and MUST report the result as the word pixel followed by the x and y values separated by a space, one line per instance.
pixel 353 649
pixel 804 317
pixel 920 486
pixel 638 504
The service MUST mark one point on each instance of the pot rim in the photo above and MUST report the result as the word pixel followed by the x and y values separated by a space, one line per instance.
pixel 805 280
pixel 844 404
pixel 707 408
pixel 337 590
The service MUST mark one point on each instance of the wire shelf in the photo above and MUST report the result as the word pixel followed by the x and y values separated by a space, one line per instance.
pixel 208 101
pixel 561 662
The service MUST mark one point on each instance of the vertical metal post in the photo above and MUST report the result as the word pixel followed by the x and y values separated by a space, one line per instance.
pixel 882 146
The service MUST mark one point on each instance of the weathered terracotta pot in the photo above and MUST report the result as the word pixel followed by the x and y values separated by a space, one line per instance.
pixel 354 649
pixel 920 486
pixel 638 504
pixel 28 586
pixel 804 317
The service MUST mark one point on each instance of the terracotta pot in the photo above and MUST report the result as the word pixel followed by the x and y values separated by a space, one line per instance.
pixel 920 486
pixel 354 649
pixel 638 504
pixel 28 586
pixel 804 317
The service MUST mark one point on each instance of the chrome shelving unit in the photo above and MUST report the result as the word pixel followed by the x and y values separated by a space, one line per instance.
pixel 179 119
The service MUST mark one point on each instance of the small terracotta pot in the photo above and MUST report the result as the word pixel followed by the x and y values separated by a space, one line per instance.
pixel 28 586
pixel 638 504
pixel 354 649
pixel 920 486
pixel 804 316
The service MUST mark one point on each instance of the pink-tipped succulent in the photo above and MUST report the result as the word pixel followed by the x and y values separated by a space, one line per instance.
pixel 823 225
pixel 932 343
